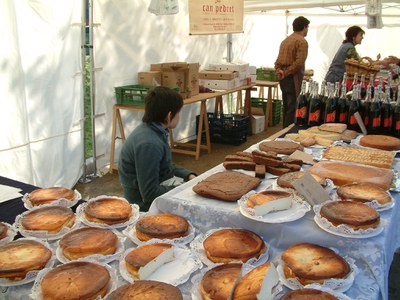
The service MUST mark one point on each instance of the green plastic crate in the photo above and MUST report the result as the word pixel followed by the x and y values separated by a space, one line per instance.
pixel 276 108
pixel 266 74
pixel 134 94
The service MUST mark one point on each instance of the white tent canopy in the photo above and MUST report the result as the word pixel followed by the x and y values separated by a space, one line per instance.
pixel 41 137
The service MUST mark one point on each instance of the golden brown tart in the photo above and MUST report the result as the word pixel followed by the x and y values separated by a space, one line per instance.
pixel 87 241
pixel 50 218
pixel 311 263
pixel 363 192
pixel 383 142
pixel 108 211
pixel 48 195
pixel 308 294
pixel 19 257
pixel 142 255
pixel 75 280
pixel 230 245
pixel 3 230
pixel 161 226
pixel 146 290
pixel 354 214
pixel 218 282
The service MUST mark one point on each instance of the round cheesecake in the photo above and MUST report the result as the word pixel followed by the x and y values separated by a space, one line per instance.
pixel 140 256
pixel 50 218
pixel 311 263
pixel 146 290
pixel 230 245
pixel 308 294
pixel 363 192
pixel 108 211
pixel 19 257
pixel 75 280
pixel 48 195
pixel 383 142
pixel 161 226
pixel 87 241
pixel 354 214
pixel 3 230
pixel 218 282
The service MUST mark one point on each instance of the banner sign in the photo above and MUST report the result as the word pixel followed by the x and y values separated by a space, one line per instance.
pixel 215 16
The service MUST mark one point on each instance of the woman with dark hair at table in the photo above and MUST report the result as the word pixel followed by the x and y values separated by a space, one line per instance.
pixel 354 36
pixel 145 167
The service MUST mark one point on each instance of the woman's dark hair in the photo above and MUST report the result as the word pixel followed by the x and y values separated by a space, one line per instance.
pixel 351 33
pixel 300 23
pixel 159 102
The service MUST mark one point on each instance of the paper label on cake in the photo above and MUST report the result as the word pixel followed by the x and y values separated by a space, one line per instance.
pixel 308 187
pixel 360 123
pixel 165 257
pixel 271 279
pixel 305 157
pixel 273 205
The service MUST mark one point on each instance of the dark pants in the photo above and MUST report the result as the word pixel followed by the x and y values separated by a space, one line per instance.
pixel 288 100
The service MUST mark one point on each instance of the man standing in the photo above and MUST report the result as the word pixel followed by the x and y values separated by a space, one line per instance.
pixel 290 65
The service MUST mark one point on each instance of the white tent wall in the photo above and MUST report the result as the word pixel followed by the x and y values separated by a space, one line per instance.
pixel 41 92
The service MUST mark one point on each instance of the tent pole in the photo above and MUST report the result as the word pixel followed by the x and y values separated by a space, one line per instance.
pixel 85 178
pixel 92 88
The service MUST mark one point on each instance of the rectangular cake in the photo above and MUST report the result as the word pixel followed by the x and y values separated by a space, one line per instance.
pixel 342 173
pixel 376 158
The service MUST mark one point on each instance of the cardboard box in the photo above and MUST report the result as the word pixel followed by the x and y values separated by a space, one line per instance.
pixel 209 74
pixel 176 74
pixel 193 79
pixel 150 78
pixel 257 124
pixel 220 84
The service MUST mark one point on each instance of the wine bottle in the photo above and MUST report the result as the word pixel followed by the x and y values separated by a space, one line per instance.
pixel 331 103
pixel 375 113
pixel 363 88
pixel 386 113
pixel 343 106
pixel 324 97
pixel 314 111
pixel 396 115
pixel 371 83
pixel 355 106
pixel 365 106
pixel 355 81
pixel 301 106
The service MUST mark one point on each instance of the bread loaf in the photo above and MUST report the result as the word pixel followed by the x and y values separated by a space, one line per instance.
pixel 333 127
pixel 383 142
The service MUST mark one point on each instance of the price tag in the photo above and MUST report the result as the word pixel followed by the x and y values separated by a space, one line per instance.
pixel 360 123
pixel 307 186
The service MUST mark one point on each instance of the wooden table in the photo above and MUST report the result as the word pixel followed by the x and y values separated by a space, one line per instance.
pixel 189 148
pixel 272 87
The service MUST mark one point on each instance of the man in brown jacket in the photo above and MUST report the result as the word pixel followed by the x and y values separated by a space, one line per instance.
pixel 290 65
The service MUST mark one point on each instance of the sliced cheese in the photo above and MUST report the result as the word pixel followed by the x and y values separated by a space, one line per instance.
pixel 148 269
pixel 271 279
pixel 273 205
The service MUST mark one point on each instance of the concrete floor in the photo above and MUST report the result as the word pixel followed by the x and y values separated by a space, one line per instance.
pixel 109 185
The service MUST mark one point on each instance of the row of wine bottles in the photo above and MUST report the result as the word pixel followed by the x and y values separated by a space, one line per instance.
pixel 334 104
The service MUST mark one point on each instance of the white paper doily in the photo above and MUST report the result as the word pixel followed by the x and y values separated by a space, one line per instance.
pixel 112 285
pixel 100 258
pixel 42 234
pixel 82 217
pixel 197 246
pixel 298 209
pixel 374 203
pixel 31 275
pixel 11 233
pixel 130 232
pixel 175 272
pixel 60 202
pixel 345 230
pixel 246 268
pixel 338 285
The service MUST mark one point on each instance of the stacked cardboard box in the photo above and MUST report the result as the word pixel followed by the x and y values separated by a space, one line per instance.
pixel 181 74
